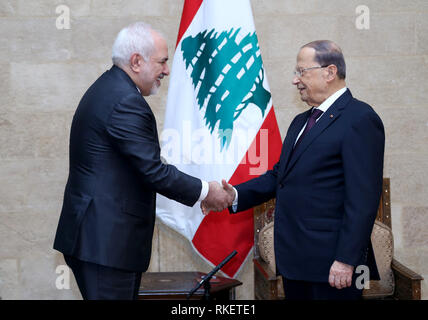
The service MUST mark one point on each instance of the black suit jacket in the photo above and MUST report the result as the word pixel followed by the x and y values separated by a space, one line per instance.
pixel 327 193
pixel 108 212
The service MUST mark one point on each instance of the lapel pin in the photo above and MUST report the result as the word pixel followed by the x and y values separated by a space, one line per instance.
pixel 331 116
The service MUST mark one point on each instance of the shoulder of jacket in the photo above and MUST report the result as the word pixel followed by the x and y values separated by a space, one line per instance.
pixel 360 112
pixel 360 109
pixel 134 101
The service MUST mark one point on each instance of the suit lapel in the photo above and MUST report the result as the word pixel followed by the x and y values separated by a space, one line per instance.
pixel 291 137
pixel 330 116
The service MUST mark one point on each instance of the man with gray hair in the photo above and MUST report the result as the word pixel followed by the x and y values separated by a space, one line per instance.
pixel 327 183
pixel 106 225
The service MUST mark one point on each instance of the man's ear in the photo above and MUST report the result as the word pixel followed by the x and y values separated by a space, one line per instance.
pixel 331 72
pixel 136 62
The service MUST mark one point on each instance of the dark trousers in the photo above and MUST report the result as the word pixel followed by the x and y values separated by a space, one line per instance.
pixel 98 282
pixel 304 290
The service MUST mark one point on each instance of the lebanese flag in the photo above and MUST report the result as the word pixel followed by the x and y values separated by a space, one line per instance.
pixel 219 122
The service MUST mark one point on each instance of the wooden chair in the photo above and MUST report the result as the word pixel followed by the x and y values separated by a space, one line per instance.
pixel 398 281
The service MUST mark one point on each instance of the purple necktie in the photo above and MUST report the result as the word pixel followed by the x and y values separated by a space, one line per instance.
pixel 312 120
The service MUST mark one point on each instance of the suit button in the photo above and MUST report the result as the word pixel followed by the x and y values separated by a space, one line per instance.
pixel 281 185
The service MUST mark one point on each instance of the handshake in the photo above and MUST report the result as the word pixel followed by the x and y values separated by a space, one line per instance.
pixel 219 197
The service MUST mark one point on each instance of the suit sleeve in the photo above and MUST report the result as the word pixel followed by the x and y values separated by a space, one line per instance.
pixel 258 190
pixel 362 154
pixel 132 131
pixel 261 189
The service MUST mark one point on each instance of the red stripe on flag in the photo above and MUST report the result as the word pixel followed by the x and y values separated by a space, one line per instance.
pixel 221 233
pixel 189 10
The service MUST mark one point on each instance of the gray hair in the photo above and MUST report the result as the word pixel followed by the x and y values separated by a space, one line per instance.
pixel 135 38
pixel 326 53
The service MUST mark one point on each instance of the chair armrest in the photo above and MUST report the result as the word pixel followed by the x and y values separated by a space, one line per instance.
pixel 407 282
pixel 264 269
pixel 267 286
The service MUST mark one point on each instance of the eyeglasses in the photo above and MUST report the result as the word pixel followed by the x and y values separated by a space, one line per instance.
pixel 299 73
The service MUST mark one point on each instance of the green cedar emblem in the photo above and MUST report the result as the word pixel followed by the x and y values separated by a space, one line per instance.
pixel 227 74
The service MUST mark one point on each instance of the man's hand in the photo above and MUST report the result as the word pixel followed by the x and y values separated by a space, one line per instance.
pixel 229 189
pixel 218 198
pixel 340 275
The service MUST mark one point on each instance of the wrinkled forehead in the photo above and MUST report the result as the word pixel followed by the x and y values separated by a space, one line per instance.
pixel 161 46
pixel 305 57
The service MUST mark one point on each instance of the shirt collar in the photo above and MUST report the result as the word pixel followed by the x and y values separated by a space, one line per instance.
pixel 330 100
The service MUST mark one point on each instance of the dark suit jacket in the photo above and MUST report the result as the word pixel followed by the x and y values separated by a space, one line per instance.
pixel 327 193
pixel 108 212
